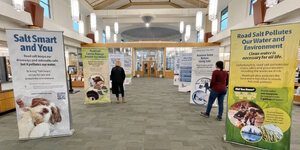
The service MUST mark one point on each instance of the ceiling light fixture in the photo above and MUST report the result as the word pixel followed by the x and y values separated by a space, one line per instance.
pixel 214 27
pixel 199 17
pixel 96 36
pixel 187 32
pixel 93 21
pixel 181 27
pixel 75 10
pixel 116 27
pixel 147 25
pixel 201 35
pixel 107 33
pixel 147 20
pixel 115 38
pixel 18 5
pixel 81 27
pixel 212 9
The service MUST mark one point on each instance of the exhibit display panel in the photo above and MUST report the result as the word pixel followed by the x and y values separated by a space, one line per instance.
pixel 185 72
pixel 203 64
pixel 39 83
pixel 96 75
pixel 124 55
pixel 261 86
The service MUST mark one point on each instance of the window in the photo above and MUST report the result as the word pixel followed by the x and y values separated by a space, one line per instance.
pixel 45 4
pixel 76 26
pixel 251 6
pixel 198 36
pixel 103 36
pixel 224 18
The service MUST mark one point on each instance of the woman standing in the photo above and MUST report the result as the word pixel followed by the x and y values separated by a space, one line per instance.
pixel 218 85
pixel 117 77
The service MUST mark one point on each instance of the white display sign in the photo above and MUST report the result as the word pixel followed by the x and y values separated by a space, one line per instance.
pixel 128 68
pixel 39 83
pixel 113 58
pixel 204 63
pixel 185 72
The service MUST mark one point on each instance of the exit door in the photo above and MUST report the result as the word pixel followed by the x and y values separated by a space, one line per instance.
pixel 149 68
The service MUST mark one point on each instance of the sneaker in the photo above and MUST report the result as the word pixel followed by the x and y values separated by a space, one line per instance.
pixel 219 118
pixel 204 114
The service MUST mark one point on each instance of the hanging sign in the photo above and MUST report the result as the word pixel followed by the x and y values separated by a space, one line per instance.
pixel 39 83
pixel 261 86
pixel 204 63
pixel 96 75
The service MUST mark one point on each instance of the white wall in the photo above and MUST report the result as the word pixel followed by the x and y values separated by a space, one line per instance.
pixel 7 1
pixel 237 11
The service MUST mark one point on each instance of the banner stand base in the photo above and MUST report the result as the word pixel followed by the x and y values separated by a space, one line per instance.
pixel 224 138
pixel 74 91
pixel 48 137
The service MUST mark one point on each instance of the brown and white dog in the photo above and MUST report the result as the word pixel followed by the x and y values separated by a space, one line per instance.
pixel 37 120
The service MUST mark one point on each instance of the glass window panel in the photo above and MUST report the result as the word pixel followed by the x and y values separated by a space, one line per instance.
pixel 103 37
pixel 76 26
pixel 224 24
pixel 224 18
pixel 46 9
pixel 45 1
pixel 251 6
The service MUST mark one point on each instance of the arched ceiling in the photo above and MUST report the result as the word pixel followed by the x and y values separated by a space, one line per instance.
pixel 134 4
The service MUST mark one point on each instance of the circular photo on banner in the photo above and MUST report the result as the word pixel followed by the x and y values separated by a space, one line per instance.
pixel 97 87
pixel 245 113
pixel 251 134
pixel 271 133
pixel 200 97
pixel 201 93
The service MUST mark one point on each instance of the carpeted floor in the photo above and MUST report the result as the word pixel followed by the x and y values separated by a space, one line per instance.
pixel 156 117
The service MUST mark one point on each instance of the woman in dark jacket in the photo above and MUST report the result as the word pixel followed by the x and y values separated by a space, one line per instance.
pixel 218 85
pixel 117 77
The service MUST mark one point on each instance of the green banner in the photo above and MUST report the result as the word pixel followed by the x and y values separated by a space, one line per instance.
pixel 261 86
pixel 96 75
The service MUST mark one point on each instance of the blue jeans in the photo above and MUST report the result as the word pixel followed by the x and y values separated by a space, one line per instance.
pixel 212 97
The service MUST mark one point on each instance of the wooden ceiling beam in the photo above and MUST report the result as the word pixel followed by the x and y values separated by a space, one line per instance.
pixel 150 3
pixel 104 4
pixel 198 3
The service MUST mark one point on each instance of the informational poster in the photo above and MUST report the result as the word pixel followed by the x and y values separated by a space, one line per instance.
pixel 261 86
pixel 176 69
pixel 128 68
pixel 204 63
pixel 39 83
pixel 96 75
pixel 113 58
pixel 185 72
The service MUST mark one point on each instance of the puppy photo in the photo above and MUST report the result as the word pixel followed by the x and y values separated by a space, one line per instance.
pixel 38 119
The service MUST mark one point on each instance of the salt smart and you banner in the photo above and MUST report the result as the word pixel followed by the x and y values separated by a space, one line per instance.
pixel 39 83
pixel 261 86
